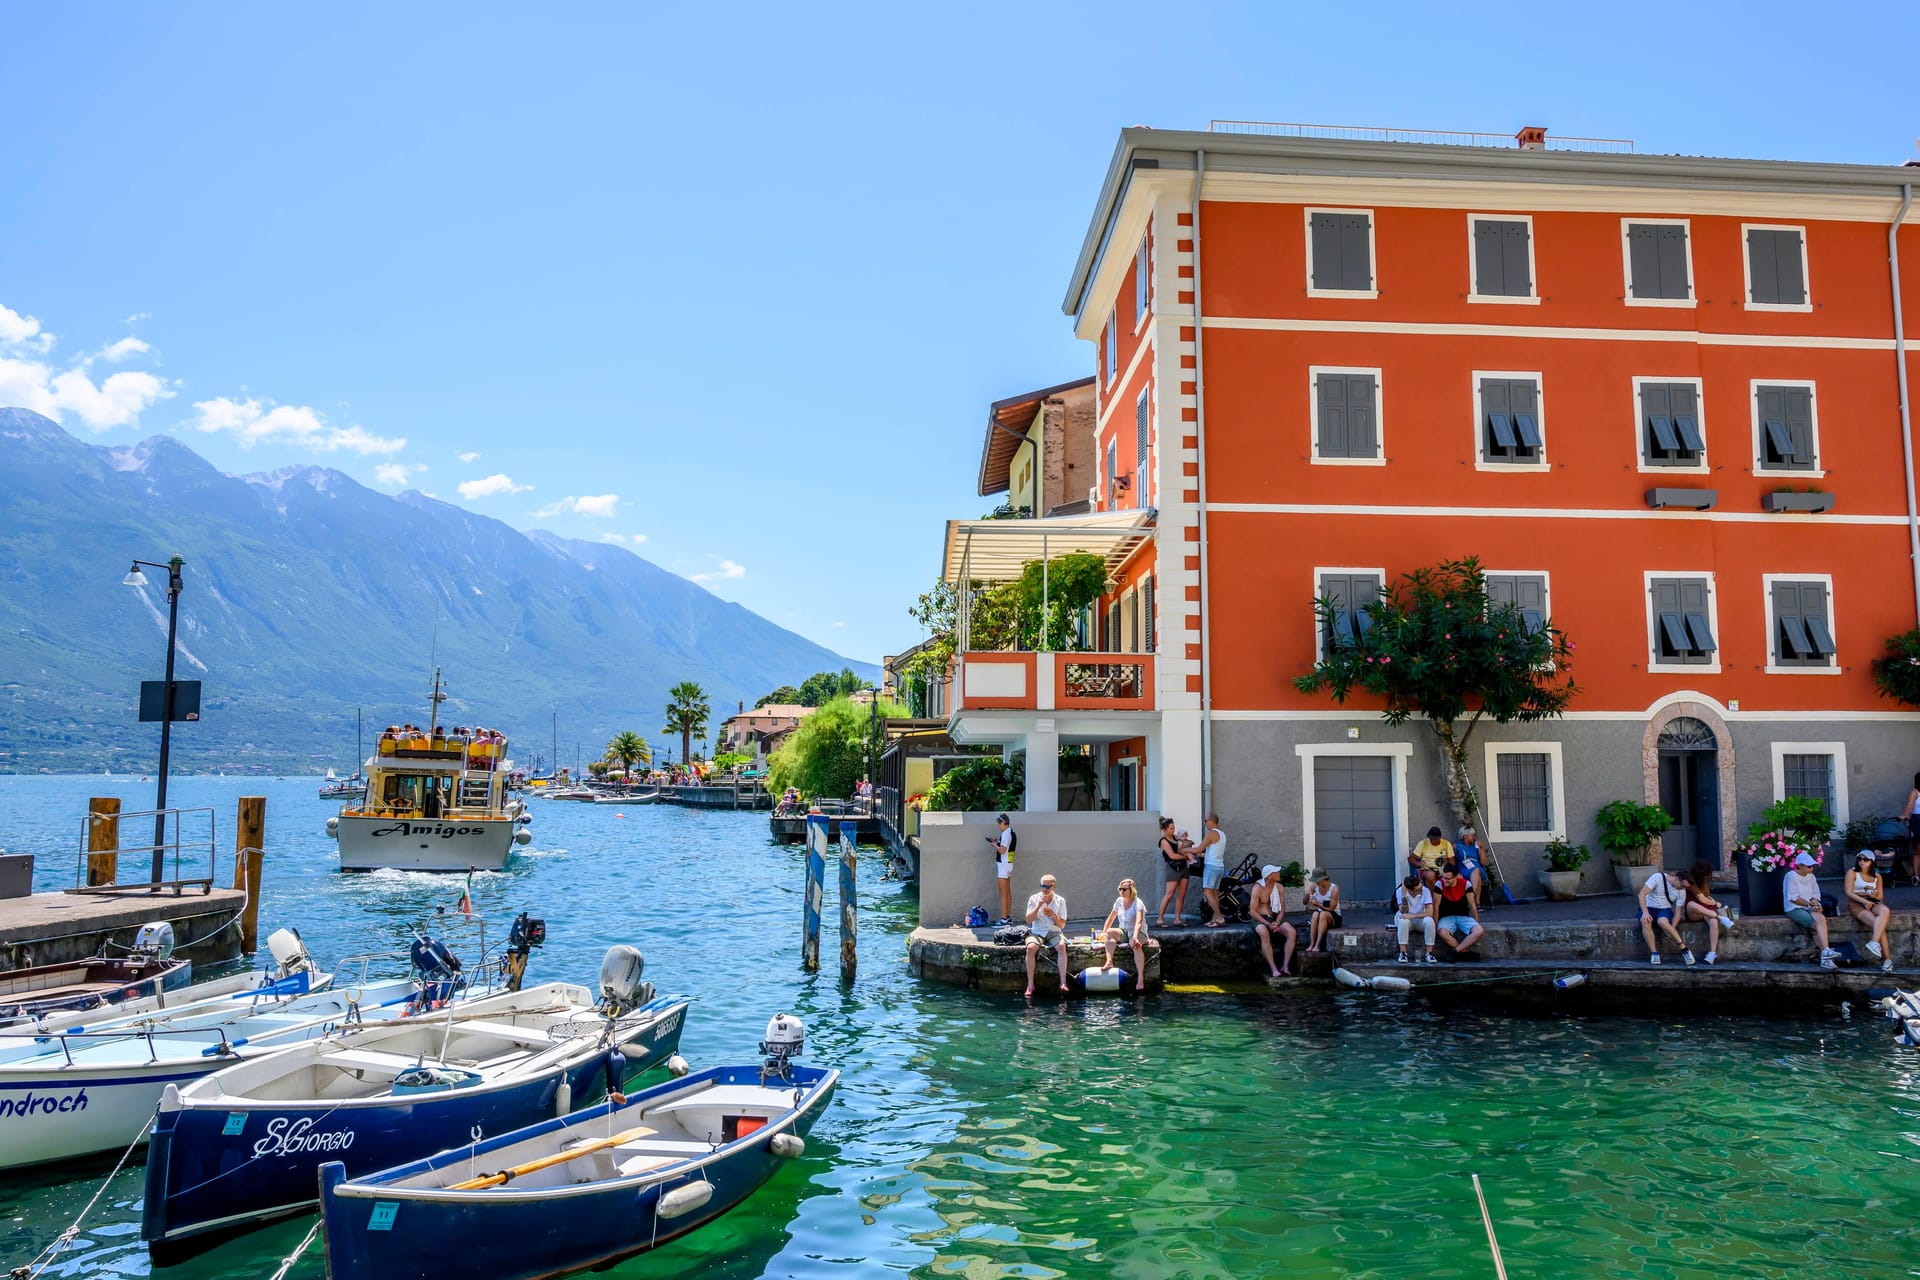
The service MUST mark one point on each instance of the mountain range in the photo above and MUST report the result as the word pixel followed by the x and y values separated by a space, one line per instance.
pixel 308 595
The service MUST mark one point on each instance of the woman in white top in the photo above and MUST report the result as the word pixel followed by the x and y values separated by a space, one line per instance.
pixel 1323 900
pixel 1865 903
pixel 1413 908
pixel 1127 923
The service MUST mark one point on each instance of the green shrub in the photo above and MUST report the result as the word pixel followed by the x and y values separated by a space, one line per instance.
pixel 1562 856
pixel 1628 830
pixel 1804 817
pixel 988 784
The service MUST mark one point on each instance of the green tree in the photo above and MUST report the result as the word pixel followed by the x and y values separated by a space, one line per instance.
pixel 1009 615
pixel 628 749
pixel 687 714
pixel 786 695
pixel 828 753
pixel 1434 645
pixel 988 784
pixel 823 686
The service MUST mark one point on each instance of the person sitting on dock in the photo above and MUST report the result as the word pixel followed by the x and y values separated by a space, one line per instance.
pixel 1173 856
pixel 1268 910
pixel 1702 907
pixel 1466 855
pixel 1865 903
pixel 1660 900
pixel 1323 900
pixel 1127 923
pixel 1459 922
pixel 1413 908
pixel 1004 844
pixel 1427 856
pixel 1047 920
pixel 1213 847
pixel 1802 894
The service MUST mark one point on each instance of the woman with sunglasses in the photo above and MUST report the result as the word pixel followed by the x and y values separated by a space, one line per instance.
pixel 1127 923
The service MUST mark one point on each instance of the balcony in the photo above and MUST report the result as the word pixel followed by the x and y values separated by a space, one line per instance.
pixel 1002 681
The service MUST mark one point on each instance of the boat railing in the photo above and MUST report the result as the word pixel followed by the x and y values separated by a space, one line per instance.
pixel 183 843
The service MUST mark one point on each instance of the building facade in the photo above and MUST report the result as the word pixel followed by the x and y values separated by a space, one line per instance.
pixel 1661 399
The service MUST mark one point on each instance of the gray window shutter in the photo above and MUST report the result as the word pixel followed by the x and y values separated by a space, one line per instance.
pixel 1337 589
pixel 1793 284
pixel 1140 279
pixel 1686 419
pixel 1113 347
pixel 1113 474
pixel 1513 249
pixel 1643 261
pixel 1332 390
pixel 1797 403
pixel 1325 234
pixel 1140 414
pixel 1362 438
pixel 1776 442
pixel 1501 590
pixel 1673 262
pixel 1669 625
pixel 1530 596
pixel 1525 399
pixel 1693 603
pixel 1489 262
pixel 1113 628
pixel 1496 429
pixel 1356 266
pixel 1813 608
pixel 1146 616
pixel 1658 441
pixel 1791 642
pixel 1763 276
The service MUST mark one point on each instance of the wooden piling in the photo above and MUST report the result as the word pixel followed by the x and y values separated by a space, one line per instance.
pixel 103 840
pixel 249 839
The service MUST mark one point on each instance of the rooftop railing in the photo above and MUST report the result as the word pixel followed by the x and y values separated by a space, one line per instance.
pixel 1437 137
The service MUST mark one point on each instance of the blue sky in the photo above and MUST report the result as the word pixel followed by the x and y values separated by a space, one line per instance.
pixel 740 281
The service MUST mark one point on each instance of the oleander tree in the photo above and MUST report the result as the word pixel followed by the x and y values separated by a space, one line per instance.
pixel 1434 645
pixel 1896 673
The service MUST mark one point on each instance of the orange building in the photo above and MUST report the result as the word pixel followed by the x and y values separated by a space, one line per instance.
pixel 1660 398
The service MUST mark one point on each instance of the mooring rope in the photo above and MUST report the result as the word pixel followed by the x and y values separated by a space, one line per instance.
pixel 286 1264
pixel 58 1244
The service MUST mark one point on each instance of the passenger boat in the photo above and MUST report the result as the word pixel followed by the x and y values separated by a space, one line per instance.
pixel 130 983
pixel 584 1190
pixel 436 800
pixel 240 1148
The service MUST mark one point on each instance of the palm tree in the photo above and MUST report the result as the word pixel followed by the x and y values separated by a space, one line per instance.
pixel 687 713
pixel 628 749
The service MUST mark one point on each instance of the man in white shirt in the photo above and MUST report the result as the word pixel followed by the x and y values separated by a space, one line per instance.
pixel 1047 922
pixel 1661 899
pixel 1004 845
pixel 1802 893
pixel 1413 909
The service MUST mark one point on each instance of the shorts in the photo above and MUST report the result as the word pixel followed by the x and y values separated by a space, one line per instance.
pixel 1800 916
pixel 1660 913
pixel 1458 926
pixel 1279 924
pixel 1913 826
pixel 1211 877
pixel 1049 940
pixel 1468 868
pixel 1003 868
pixel 1176 869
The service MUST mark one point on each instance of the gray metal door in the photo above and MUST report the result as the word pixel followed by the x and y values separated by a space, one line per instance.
pixel 1353 824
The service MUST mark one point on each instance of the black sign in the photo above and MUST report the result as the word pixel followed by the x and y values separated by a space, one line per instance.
pixel 153 700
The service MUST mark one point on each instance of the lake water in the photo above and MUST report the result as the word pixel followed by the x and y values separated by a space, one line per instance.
pixel 1184 1134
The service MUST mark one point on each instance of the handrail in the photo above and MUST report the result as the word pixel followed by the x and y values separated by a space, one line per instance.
pixel 178 846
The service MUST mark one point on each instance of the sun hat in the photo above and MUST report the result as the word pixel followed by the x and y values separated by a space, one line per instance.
pixel 1804 860
pixel 1319 873
pixel 1269 870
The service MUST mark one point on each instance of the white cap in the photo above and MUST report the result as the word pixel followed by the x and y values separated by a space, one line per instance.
pixel 1804 860
pixel 1269 870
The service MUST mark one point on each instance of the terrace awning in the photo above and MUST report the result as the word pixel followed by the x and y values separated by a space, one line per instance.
pixel 997 550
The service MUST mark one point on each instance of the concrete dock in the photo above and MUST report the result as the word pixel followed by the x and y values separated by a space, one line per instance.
pixel 54 928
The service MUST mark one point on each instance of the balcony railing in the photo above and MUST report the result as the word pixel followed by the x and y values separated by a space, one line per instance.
pixel 1006 681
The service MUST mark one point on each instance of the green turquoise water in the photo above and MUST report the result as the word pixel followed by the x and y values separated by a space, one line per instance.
pixel 1201 1135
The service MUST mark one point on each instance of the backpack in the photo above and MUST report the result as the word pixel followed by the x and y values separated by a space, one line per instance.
pixel 1012 935
pixel 976 918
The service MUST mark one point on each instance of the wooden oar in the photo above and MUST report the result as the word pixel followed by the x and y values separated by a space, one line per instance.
pixel 547 1162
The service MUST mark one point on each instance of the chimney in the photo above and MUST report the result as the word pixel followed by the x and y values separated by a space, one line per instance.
pixel 1532 138
pixel 742 704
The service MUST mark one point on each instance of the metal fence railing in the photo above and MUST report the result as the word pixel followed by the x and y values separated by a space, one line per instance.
pixel 1438 137
pixel 186 842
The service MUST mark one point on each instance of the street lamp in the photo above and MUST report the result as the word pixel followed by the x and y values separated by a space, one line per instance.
pixel 135 578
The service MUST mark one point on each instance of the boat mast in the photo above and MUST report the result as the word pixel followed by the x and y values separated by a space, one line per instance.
pixel 434 700
pixel 553 767
pixel 359 745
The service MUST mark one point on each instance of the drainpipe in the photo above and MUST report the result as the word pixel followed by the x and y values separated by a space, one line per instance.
pixel 1906 416
pixel 1200 487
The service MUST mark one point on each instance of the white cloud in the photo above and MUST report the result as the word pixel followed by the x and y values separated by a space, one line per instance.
pixel 252 421
pixel 727 569
pixel 115 352
pixel 636 538
pixel 32 383
pixel 17 330
pixel 600 507
pixel 468 457
pixel 838 625
pixel 623 538
pixel 490 486
pixel 397 473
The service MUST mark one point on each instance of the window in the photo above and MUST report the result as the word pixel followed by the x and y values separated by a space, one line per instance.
pixel 1810 776
pixel 1146 616
pixel 1508 419
pixel 1680 622
pixel 1799 624
pixel 1784 436
pixel 1140 451
pixel 1776 268
pixel 1350 591
pixel 1142 283
pixel 1345 411
pixel 1133 621
pixel 1113 348
pixel 1340 252
pixel 1502 259
pixel 1526 592
pixel 1658 266
pixel 1113 475
pixel 1670 432
pixel 1524 790
pixel 1816 769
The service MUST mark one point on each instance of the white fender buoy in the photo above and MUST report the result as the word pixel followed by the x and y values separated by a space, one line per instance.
pixel 1571 980
pixel 333 828
pixel 684 1200
pixel 522 836
pixel 1348 978
pixel 1094 978
pixel 563 1099
pixel 678 1066
pixel 1391 982
pixel 789 1145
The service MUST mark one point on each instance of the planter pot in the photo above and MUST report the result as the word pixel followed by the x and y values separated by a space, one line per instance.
pixel 1632 879
pixel 1762 893
pixel 1810 502
pixel 1560 886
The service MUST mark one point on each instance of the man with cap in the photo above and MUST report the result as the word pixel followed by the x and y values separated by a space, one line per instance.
pixel 1269 912
pixel 1802 894
pixel 1047 926
pixel 1429 856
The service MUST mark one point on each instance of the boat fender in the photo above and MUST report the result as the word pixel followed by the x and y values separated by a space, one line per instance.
pixel 1392 982
pixel 1570 981
pixel 523 836
pixel 1348 978
pixel 616 1070
pixel 678 1066
pixel 790 1145
pixel 563 1098
pixel 333 828
pixel 684 1200
pixel 1102 979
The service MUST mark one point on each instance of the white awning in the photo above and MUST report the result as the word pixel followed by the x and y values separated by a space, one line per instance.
pixel 997 550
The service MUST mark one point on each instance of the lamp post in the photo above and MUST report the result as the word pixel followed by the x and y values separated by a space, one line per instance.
pixel 135 578
pixel 873 743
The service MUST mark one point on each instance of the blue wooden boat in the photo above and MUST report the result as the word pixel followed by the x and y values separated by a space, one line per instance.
pixel 240 1148
pixel 581 1191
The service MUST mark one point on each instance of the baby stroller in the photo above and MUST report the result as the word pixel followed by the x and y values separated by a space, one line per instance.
pixel 1236 890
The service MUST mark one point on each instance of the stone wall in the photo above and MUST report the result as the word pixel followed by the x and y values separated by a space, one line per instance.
pixel 1087 853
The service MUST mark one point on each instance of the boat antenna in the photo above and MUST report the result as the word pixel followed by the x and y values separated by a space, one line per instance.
pixel 434 700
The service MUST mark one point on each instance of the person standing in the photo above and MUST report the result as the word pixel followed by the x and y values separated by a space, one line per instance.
pixel 1004 843
pixel 1865 903
pixel 1047 925
pixel 1913 831
pixel 1173 857
pixel 1213 847
pixel 1802 893
pixel 1268 908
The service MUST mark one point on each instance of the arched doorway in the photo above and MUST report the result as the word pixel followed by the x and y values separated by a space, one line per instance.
pixel 1688 765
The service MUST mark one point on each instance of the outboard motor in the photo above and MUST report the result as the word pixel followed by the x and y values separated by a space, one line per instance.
pixel 153 942
pixel 621 987
pixel 526 934
pixel 438 970
pixel 289 953
pixel 786 1039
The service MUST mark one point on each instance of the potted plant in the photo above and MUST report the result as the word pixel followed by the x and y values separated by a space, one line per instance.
pixel 1763 860
pixel 1561 879
pixel 1629 831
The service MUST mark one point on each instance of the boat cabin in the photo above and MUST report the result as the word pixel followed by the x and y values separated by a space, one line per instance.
pixel 437 773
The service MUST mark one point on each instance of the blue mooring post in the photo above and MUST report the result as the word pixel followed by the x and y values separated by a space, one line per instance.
pixel 849 908
pixel 816 890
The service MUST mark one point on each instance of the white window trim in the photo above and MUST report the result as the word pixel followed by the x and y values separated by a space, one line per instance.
pixel 1774 666
pixel 1838 750
pixel 1373 255
pixel 1532 298
pixel 1126 641
pixel 1654 665
pixel 1110 349
pixel 1700 468
pixel 1556 789
pixel 1397 752
pixel 1480 461
pixel 1626 263
pixel 1379 419
pixel 1319 574
pixel 1746 267
pixel 1760 468
pixel 1143 286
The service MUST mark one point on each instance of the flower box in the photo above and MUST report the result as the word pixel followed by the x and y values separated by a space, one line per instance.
pixel 1682 499
pixel 1812 503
